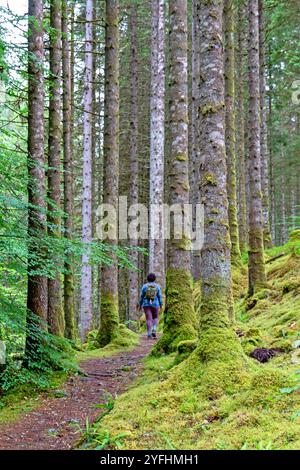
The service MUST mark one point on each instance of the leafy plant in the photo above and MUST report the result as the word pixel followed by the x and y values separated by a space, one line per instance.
pixel 108 441
pixel 108 405
pixel 296 378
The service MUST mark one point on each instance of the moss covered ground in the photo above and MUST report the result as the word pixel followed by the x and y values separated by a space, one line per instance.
pixel 124 340
pixel 216 396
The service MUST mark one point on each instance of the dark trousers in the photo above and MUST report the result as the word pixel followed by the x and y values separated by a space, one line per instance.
pixel 151 314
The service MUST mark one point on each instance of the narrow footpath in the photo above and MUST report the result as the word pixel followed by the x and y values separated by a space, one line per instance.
pixel 57 423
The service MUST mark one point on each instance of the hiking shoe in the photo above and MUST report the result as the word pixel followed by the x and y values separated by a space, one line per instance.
pixel 153 334
pixel 149 336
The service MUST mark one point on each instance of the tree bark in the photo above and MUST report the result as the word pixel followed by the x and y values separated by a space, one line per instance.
pixel 216 257
pixel 86 303
pixel 37 284
pixel 195 163
pixel 134 166
pixel 283 212
pixel 69 299
pixel 270 149
pixel 180 321
pixel 229 64
pixel 157 122
pixel 263 129
pixel 240 129
pixel 257 273
pixel 109 293
pixel 55 306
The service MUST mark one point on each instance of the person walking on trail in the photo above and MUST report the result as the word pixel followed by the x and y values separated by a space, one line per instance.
pixel 151 301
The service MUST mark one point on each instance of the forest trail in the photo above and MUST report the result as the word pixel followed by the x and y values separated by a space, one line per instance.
pixel 57 423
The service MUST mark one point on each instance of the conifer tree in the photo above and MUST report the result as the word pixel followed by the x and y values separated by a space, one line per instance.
pixel 109 274
pixel 55 307
pixel 86 302
pixel 37 282
pixel 229 58
pixel 180 320
pixel 257 273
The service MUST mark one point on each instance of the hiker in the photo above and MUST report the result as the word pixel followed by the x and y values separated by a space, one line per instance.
pixel 151 301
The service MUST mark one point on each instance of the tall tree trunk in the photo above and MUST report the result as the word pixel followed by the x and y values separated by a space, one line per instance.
pixel 283 210
pixel 100 107
pixel 229 64
pixel 195 163
pixel 86 304
pixel 180 321
pixel 95 176
pixel 109 292
pixel 257 273
pixel 69 299
pixel 157 122
pixel 263 128
pixel 37 284
pixel 134 166
pixel 270 149
pixel 55 306
pixel 240 74
pixel 216 257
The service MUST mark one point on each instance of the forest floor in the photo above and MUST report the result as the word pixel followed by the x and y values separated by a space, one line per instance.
pixel 131 399
pixel 64 415
pixel 227 401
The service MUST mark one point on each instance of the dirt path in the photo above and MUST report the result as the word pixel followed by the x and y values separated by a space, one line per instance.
pixel 50 427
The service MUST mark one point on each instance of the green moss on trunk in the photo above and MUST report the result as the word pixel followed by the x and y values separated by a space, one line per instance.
pixel 215 306
pixel 109 320
pixel 180 321
pixel 69 307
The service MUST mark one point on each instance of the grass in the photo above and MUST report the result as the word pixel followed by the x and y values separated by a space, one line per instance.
pixel 218 402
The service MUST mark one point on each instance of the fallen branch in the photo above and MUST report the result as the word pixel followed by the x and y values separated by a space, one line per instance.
pixel 275 257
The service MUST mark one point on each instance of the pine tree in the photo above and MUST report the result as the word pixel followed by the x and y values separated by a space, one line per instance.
pixel 263 128
pixel 134 164
pixel 257 273
pixel 229 58
pixel 69 299
pixel 157 122
pixel 37 283
pixel 195 128
pixel 86 303
pixel 215 272
pixel 240 127
pixel 180 320
pixel 109 274
pixel 55 307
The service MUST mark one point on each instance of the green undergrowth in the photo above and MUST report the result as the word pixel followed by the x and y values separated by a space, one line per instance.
pixel 218 397
pixel 26 396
